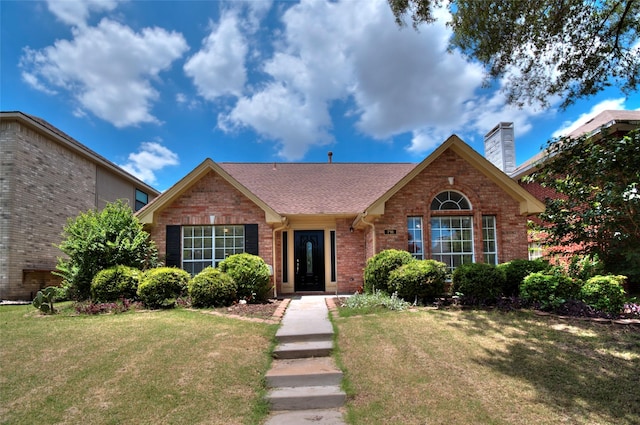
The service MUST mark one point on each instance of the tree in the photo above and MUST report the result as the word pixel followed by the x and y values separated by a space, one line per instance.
pixel 543 48
pixel 96 240
pixel 598 207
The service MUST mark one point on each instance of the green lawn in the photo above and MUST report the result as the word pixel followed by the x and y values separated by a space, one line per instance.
pixel 158 367
pixel 478 367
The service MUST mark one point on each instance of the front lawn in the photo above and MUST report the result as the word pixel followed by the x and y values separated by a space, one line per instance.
pixel 480 367
pixel 146 367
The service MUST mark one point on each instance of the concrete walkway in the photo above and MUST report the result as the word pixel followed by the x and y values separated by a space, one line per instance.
pixel 304 381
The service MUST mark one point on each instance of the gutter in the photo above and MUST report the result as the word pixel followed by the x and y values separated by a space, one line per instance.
pixel 361 217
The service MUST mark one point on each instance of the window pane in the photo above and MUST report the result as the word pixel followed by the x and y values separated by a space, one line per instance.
pixel 415 242
pixel 450 200
pixel 452 240
pixel 490 248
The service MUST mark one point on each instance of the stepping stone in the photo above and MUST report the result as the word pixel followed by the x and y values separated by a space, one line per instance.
pixel 304 398
pixel 311 417
pixel 303 349
pixel 315 371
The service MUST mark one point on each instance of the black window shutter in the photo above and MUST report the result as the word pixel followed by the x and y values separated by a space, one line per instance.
pixel 173 246
pixel 251 239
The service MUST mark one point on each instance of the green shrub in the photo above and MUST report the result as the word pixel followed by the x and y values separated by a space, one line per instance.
pixel 378 268
pixel 251 274
pixel 161 286
pixel 584 267
pixel 479 283
pixel 419 280
pixel 114 283
pixel 516 270
pixel 212 288
pixel 604 293
pixel 549 289
pixel 44 299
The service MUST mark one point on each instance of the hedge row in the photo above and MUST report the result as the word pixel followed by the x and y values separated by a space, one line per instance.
pixel 239 277
pixel 534 282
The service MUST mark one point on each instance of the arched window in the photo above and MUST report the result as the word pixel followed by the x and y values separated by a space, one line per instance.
pixel 452 235
pixel 450 201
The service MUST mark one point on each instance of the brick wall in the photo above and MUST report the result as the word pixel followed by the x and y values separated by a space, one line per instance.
pixel 486 199
pixel 43 184
pixel 350 255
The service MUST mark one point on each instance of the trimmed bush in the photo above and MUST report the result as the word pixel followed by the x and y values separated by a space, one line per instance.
pixel 161 286
pixel 251 274
pixel 516 270
pixel 584 267
pixel 479 283
pixel 549 289
pixel 604 293
pixel 212 288
pixel 421 279
pixel 114 283
pixel 378 268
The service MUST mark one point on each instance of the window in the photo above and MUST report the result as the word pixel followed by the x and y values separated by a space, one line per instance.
pixel 489 241
pixel 142 199
pixel 451 236
pixel 204 246
pixel 414 229
pixel 452 240
pixel 535 250
pixel 450 201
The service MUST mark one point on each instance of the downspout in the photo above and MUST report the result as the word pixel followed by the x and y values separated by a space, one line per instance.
pixel 285 224
pixel 373 231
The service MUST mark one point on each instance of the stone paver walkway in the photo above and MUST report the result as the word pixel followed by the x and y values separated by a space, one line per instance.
pixel 304 381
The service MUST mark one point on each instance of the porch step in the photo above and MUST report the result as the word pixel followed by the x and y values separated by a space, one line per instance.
pixel 303 398
pixel 315 371
pixel 303 349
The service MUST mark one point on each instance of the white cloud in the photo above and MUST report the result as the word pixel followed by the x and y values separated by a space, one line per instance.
pixel 107 68
pixel 218 68
pixel 399 80
pixel 569 126
pixel 150 158
pixel 76 12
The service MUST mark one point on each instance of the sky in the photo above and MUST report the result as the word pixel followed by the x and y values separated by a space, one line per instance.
pixel 159 86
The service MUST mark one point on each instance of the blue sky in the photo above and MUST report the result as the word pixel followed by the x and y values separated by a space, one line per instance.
pixel 158 86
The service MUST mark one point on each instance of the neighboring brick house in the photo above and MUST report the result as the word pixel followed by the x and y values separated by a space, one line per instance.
pixel 610 123
pixel 47 177
pixel 317 224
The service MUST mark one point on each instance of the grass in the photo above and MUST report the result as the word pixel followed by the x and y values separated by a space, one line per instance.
pixel 159 367
pixel 461 367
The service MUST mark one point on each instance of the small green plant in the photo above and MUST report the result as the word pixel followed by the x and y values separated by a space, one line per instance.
pixel 419 280
pixel 604 293
pixel 516 270
pixel 161 287
pixel 479 283
pixel 212 288
pixel 44 300
pixel 251 275
pixel 549 289
pixel 377 300
pixel 378 268
pixel 115 283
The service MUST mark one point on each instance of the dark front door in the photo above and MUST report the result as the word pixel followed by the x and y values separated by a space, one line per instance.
pixel 309 260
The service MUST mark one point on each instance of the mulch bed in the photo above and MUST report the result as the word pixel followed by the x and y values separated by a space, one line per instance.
pixel 271 311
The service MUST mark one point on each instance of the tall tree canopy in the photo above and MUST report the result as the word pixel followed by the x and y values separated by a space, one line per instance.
pixel 599 204
pixel 543 48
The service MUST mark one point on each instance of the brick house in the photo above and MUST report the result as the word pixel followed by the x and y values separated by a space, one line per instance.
pixel 316 224
pixel 612 123
pixel 47 177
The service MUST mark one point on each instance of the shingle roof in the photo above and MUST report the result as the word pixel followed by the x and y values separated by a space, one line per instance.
pixel 318 188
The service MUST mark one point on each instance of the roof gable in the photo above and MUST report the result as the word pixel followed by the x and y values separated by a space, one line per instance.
pixel 147 214
pixel 528 203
